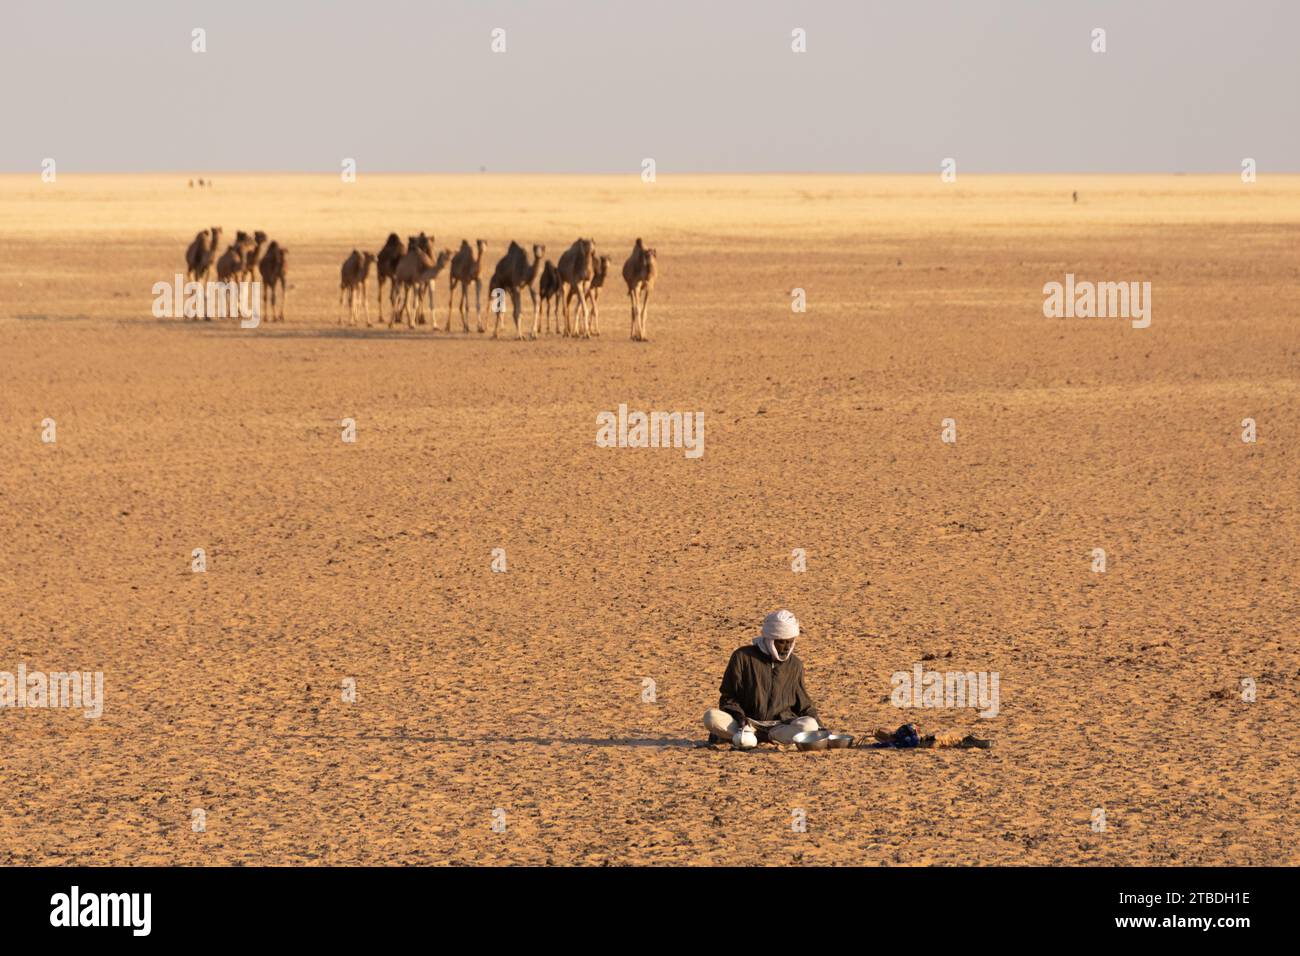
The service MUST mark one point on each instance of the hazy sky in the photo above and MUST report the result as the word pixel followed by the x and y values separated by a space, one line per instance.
pixel 700 86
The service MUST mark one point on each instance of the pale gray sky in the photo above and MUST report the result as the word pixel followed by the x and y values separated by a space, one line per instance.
pixel 699 85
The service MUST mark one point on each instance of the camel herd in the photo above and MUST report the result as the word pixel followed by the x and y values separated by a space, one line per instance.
pixel 247 255
pixel 411 271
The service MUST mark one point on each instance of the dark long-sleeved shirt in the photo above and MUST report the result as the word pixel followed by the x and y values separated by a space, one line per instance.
pixel 755 687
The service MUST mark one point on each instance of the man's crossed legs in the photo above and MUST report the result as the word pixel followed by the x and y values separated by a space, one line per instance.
pixel 721 724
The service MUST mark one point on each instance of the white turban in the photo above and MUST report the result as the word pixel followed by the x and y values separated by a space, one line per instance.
pixel 777 626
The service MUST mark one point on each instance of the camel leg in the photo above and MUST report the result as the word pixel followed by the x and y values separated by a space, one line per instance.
pixel 645 311
pixel 631 295
pixel 537 315
pixel 478 304
pixel 365 301
pixel 595 312
pixel 586 316
pixel 515 300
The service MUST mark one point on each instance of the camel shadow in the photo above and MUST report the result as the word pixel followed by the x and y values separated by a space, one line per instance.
pixel 221 328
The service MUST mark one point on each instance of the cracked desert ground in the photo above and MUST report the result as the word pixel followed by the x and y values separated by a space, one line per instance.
pixel 522 691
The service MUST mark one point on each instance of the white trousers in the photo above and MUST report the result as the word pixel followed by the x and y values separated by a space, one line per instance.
pixel 722 724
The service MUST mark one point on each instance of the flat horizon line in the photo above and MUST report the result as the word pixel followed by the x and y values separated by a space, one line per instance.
pixel 1235 173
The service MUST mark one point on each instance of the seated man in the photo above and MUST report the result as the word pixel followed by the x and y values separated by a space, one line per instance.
pixel 763 689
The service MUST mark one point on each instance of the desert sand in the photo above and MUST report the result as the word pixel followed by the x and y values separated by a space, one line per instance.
pixel 522 692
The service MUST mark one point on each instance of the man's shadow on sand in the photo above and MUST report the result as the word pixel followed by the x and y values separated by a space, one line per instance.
pixel 659 742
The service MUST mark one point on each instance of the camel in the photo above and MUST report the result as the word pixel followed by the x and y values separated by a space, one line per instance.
pixel 208 261
pixel 639 272
pixel 253 253
pixel 353 278
pixel 548 288
pixel 599 269
pixel 231 263
pixel 386 265
pixel 406 280
pixel 467 268
pixel 534 281
pixel 201 253
pixel 576 268
pixel 272 268
pixel 427 282
pixel 513 273
pixel 195 250
pixel 195 253
pixel 417 275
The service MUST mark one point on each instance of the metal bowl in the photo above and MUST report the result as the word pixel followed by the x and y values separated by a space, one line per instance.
pixel 813 740
pixel 839 741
